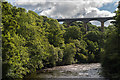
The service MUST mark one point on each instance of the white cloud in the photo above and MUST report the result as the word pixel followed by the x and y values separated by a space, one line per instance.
pixel 69 10
pixel 94 12
pixel 66 8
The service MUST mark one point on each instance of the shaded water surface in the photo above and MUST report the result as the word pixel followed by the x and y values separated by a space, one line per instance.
pixel 70 71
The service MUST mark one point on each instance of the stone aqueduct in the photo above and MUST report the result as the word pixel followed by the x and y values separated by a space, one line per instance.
pixel 86 20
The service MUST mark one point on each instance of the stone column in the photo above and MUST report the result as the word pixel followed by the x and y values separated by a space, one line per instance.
pixel 85 25
pixel 68 23
pixel 102 26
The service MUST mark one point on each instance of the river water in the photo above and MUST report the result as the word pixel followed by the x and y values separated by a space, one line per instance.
pixel 92 70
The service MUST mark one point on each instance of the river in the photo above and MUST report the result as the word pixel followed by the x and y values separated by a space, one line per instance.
pixel 92 70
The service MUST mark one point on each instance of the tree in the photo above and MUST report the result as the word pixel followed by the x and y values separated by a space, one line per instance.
pixel 94 36
pixel 111 57
pixel 69 53
pixel 73 32
pixel 25 42
pixel 54 33
pixel 81 51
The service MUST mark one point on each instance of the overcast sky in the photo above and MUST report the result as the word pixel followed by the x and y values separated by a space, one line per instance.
pixel 70 8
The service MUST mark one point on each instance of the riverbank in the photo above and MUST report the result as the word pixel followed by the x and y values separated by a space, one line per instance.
pixel 70 71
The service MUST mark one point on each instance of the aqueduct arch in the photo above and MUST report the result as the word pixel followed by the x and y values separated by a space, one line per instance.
pixel 86 20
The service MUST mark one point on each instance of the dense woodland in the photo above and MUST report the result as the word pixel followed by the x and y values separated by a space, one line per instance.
pixel 111 56
pixel 31 42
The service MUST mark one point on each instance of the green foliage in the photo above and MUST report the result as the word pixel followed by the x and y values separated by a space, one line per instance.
pixel 81 52
pixel 95 42
pixel 91 27
pixel 60 56
pixel 55 57
pixel 15 55
pixel 26 42
pixel 110 60
pixel 111 57
pixel 69 53
pixel 81 58
pixel 92 46
pixel 94 49
pixel 54 32
pixel 81 46
pixel 72 32
pixel 94 36
pixel 91 57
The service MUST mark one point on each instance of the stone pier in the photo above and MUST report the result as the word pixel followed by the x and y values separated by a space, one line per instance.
pixel 102 26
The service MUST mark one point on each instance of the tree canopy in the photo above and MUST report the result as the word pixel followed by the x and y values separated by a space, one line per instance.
pixel 111 56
